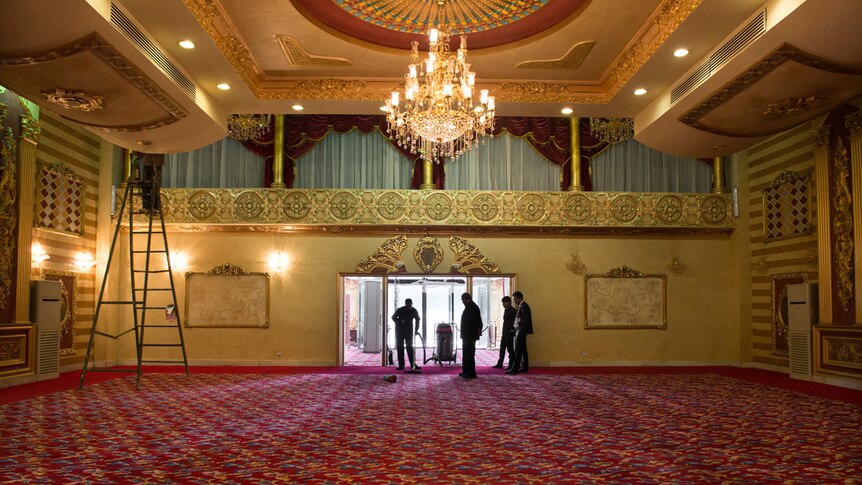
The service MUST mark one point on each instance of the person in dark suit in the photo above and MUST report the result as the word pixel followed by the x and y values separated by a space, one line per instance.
pixel 507 342
pixel 523 327
pixel 471 330
pixel 403 318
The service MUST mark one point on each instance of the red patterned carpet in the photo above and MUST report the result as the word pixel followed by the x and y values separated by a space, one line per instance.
pixel 326 426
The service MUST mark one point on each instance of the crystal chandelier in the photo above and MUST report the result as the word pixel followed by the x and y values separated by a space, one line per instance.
pixel 612 130
pixel 437 117
pixel 244 127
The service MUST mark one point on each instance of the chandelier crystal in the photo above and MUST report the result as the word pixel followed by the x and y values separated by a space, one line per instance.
pixel 244 127
pixel 612 130
pixel 437 116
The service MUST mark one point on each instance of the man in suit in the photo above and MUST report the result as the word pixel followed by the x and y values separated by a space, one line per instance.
pixel 471 330
pixel 403 318
pixel 523 327
pixel 507 342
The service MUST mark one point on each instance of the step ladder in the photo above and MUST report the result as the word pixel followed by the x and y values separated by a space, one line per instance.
pixel 153 302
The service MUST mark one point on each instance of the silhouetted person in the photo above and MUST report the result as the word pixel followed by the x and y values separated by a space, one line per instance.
pixel 507 341
pixel 403 318
pixel 523 327
pixel 471 330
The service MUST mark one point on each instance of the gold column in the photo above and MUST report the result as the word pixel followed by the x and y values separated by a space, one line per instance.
pixel 575 183
pixel 718 186
pixel 427 175
pixel 278 159
pixel 30 129
pixel 854 124
pixel 824 216
pixel 127 166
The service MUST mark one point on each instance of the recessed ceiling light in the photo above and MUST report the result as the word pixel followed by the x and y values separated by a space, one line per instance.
pixel 223 86
pixel 298 107
pixel 640 91
pixel 567 111
pixel 187 44
pixel 680 52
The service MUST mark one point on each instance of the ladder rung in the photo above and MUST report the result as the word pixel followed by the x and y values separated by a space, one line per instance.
pixel 152 308
pixel 152 289
pixel 161 345
pixel 152 251
pixel 152 271
pixel 162 362
pixel 147 232
pixel 116 302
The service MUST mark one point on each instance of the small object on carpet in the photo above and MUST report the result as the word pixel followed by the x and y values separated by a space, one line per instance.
pixel 390 378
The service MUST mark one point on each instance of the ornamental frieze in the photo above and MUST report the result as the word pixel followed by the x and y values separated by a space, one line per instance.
pixel 412 211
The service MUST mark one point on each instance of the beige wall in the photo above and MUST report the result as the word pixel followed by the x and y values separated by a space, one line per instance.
pixel 703 303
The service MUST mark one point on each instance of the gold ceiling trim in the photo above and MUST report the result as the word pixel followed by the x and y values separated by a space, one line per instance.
pixel 468 259
pixel 491 212
pixel 668 17
pixel 387 258
pixel 297 55
pixel 96 45
pixel 570 60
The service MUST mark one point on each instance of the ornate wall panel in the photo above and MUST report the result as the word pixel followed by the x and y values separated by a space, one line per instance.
pixel 227 296
pixel 60 200
pixel 15 355
pixel 838 350
pixel 625 298
pixel 8 213
pixel 68 307
pixel 787 206
pixel 418 211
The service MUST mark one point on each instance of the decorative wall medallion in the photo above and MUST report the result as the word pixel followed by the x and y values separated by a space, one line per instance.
pixel 297 55
pixel 391 206
pixel 75 100
pixel 248 205
pixel 842 224
pixel 202 205
pixel 531 207
pixel 787 206
pixel 624 272
pixel 61 196
pixel 669 208
pixel 714 209
pixel 624 208
pixel 468 259
pixel 8 206
pixel 343 205
pixel 387 258
pixel 438 207
pixel 296 205
pixel 428 254
pixel 577 208
pixel 485 207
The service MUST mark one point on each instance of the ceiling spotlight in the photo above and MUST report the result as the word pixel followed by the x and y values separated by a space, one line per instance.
pixel 640 91
pixel 680 52
pixel 187 44
pixel 567 111
pixel 223 86
pixel 298 107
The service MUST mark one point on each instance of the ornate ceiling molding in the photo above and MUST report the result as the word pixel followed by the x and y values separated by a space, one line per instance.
pixel 297 55
pixel 570 60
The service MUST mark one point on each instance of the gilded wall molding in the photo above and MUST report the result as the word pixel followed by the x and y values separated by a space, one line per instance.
pixel 432 211
pixel 387 258
pixel 8 208
pixel 468 259
pixel 842 225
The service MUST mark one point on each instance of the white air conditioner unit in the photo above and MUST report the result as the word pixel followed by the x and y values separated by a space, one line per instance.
pixel 802 315
pixel 45 313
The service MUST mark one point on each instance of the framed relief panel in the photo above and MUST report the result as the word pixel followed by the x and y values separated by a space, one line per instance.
pixel 68 307
pixel 625 298
pixel 780 310
pixel 227 296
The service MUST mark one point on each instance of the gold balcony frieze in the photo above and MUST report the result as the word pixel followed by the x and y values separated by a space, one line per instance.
pixel 436 211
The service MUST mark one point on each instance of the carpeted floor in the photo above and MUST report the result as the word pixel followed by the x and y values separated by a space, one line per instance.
pixel 355 356
pixel 347 425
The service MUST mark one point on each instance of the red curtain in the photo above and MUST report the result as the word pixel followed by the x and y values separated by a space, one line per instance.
pixel 551 137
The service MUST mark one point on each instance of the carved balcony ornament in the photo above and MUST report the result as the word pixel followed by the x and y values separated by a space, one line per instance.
pixel 576 266
pixel 74 100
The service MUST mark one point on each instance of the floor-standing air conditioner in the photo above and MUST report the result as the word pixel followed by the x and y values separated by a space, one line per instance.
pixel 802 315
pixel 45 313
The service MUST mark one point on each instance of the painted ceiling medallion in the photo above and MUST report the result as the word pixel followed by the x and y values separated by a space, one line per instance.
pixel 76 100
pixel 396 23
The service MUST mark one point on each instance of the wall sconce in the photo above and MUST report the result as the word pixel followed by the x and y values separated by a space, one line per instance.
pixel 179 261
pixel 84 260
pixel 278 262
pixel 576 265
pixel 676 267
pixel 38 254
